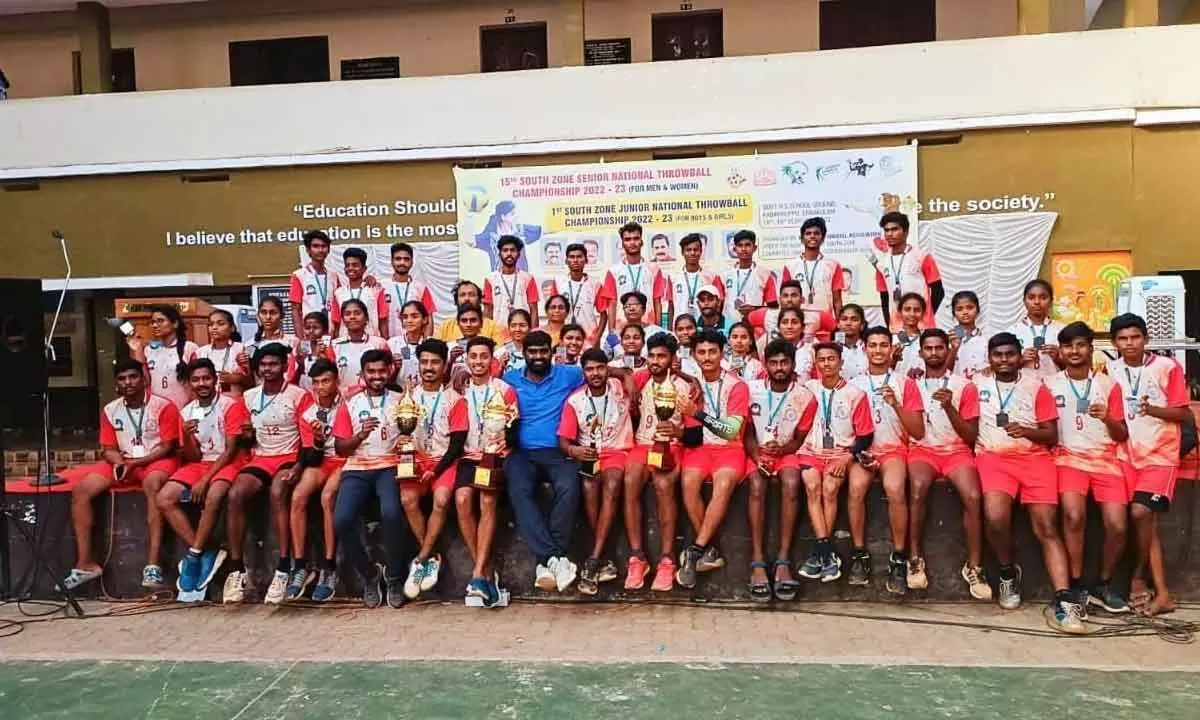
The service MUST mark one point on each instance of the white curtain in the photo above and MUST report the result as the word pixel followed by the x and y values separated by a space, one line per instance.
pixel 435 263
pixel 992 255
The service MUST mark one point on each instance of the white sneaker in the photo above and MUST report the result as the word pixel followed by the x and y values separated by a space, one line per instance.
pixel 235 587
pixel 565 573
pixel 277 589
pixel 433 566
pixel 545 578
pixel 412 585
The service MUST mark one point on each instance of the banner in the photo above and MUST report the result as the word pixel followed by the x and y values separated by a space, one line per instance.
pixel 1085 285
pixel 550 207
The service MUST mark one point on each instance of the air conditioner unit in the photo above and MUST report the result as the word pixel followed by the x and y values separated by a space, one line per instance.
pixel 1159 300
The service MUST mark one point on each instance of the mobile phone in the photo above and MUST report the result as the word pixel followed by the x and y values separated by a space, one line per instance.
pixel 306 347
pixel 126 328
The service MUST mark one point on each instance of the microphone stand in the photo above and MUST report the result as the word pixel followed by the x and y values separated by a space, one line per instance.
pixel 47 478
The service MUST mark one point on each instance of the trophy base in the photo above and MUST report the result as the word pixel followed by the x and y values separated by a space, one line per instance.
pixel 406 469
pixel 486 475
pixel 660 457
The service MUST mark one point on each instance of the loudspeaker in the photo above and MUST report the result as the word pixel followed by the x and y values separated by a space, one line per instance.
pixel 22 352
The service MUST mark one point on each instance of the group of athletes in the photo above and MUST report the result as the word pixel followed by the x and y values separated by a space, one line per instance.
pixel 769 380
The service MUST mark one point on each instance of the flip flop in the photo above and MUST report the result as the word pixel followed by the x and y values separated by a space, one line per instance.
pixel 785 590
pixel 1139 600
pixel 759 592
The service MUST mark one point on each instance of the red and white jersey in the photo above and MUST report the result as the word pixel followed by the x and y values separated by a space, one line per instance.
pixel 940 435
pixel 854 360
pixel 843 412
pixel 378 450
pixel 1084 442
pixel 478 397
pixel 224 359
pixel 910 353
pixel 806 362
pixel 373 298
pixel 505 293
pixel 1029 334
pixel 890 435
pixel 1026 401
pixel 754 286
pixel 442 412
pixel 347 355
pixel 291 341
pixel 219 425
pixel 643 277
pixel 683 286
pixel 396 294
pixel 315 413
pixel 727 396
pixel 747 367
pixel 777 415
pixel 646 385
pixel 601 422
pixel 161 362
pixel 1152 442
pixel 135 432
pixel 819 279
pixel 404 358
pixel 582 298
pixel 972 356
pixel 276 419
pixel 819 324
pixel 314 291
pixel 912 271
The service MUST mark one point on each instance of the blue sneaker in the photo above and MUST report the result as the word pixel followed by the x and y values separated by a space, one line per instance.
pixel 326 587
pixel 210 563
pixel 189 572
pixel 152 577
pixel 831 568
pixel 478 587
pixel 811 568
pixel 493 592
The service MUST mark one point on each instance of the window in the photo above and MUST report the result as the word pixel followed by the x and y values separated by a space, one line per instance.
pixel 512 47
pixel 685 36
pixel 124 74
pixel 863 23
pixel 283 60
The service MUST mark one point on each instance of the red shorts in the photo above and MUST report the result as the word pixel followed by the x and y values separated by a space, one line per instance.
pixel 1152 479
pixel 638 455
pixel 942 463
pixel 889 455
pixel 1105 488
pixel 1034 479
pixel 330 464
pixel 782 462
pixel 613 459
pixel 818 462
pixel 133 477
pixel 191 473
pixel 444 481
pixel 709 459
pixel 266 467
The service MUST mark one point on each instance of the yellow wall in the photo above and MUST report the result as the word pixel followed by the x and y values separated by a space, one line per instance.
pixel 187 45
pixel 1114 187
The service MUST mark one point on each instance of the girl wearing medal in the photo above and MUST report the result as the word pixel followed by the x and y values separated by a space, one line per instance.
pixel 314 346
pixel 414 319
pixel 270 329
pixel 907 351
pixel 511 354
pixel 223 348
pixel 968 346
pixel 742 356
pixel 166 356
pixel 852 322
pixel 347 352
pixel 1037 332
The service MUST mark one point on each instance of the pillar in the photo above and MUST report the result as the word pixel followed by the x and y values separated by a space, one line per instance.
pixel 571 47
pixel 1141 13
pixel 95 47
pixel 1033 16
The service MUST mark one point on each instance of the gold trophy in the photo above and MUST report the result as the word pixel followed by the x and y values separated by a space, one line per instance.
pixel 406 413
pixel 665 397
pixel 497 416
pixel 767 461
pixel 595 437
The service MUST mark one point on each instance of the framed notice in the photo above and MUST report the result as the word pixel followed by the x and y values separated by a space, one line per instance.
pixel 375 68
pixel 608 51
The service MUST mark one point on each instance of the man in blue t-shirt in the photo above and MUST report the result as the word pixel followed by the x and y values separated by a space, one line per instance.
pixel 542 390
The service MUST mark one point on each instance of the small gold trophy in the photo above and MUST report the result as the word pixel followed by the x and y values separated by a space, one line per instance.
pixel 767 461
pixel 665 397
pixel 595 437
pixel 497 416
pixel 406 413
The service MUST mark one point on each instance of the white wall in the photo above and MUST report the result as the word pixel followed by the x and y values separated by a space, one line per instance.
pixel 1136 68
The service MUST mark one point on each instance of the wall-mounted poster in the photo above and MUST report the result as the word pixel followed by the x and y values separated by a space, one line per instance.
pixel 1085 285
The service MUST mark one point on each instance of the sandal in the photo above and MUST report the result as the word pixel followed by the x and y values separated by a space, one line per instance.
pixel 759 592
pixel 78 577
pixel 785 590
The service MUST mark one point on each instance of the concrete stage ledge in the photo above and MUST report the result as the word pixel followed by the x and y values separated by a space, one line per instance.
pixel 48 515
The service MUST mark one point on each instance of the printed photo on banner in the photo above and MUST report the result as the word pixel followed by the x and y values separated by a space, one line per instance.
pixel 552 207
pixel 1086 283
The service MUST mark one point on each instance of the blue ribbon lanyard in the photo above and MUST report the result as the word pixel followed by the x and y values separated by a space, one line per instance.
pixel 827 410
pixel 774 412
pixel 635 281
pixel 715 404
pixel 322 288
pixel 1134 386
pixel 401 299
pixel 479 406
pixel 1081 399
pixel 430 414
pixel 137 424
pixel 1004 399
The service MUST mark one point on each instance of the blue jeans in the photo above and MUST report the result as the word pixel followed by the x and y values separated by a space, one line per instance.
pixel 358 487
pixel 549 536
